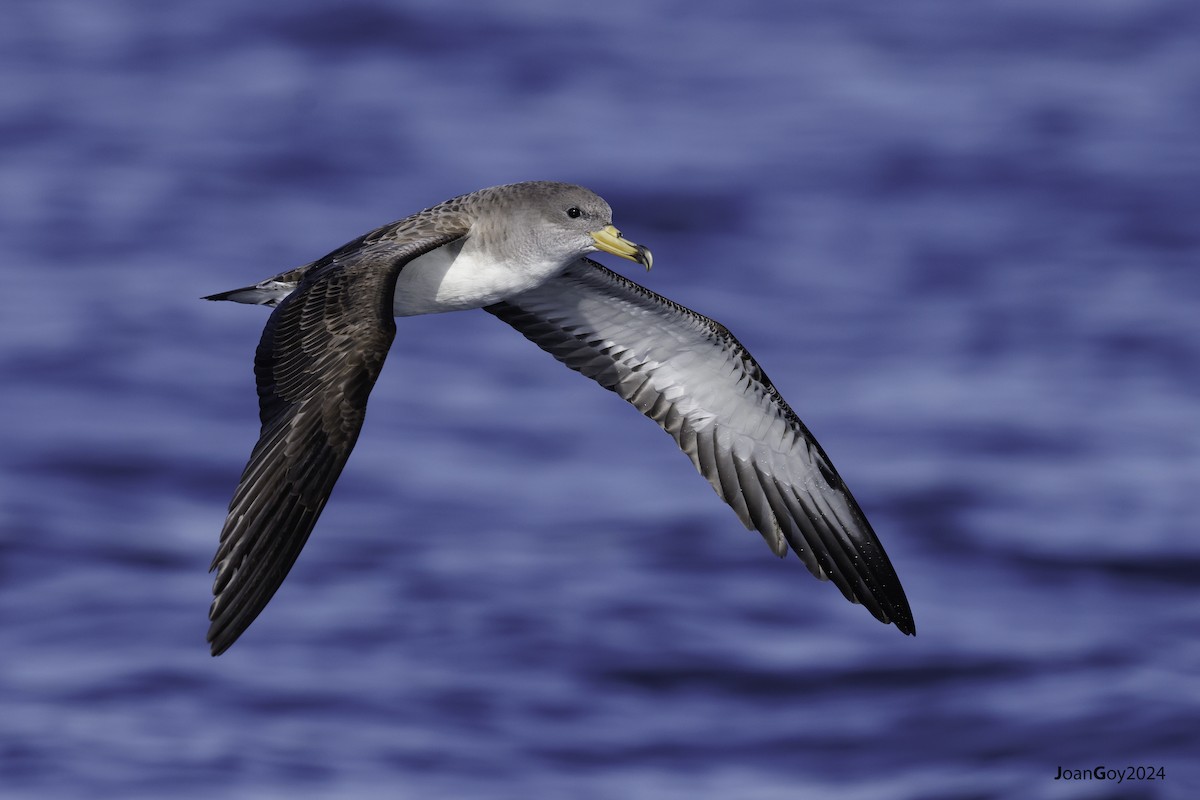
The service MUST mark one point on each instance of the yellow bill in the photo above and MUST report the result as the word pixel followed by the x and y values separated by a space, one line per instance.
pixel 610 240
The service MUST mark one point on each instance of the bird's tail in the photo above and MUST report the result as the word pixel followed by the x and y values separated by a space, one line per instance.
pixel 267 293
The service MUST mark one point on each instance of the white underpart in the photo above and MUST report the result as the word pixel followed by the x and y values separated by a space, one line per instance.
pixel 459 276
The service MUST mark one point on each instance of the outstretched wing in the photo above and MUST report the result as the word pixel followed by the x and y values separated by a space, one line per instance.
pixel 316 363
pixel 691 376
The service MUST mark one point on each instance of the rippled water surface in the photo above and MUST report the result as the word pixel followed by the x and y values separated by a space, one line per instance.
pixel 961 238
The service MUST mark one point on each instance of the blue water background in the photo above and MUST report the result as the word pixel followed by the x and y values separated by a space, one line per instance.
pixel 962 238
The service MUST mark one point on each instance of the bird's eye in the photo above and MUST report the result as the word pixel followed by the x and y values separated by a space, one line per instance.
pixel 573 212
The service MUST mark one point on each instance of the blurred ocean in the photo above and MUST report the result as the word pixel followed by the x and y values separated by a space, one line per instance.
pixel 962 238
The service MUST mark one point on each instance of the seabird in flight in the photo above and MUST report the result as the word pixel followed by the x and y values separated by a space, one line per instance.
pixel 519 252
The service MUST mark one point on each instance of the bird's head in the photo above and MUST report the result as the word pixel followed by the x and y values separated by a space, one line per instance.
pixel 569 221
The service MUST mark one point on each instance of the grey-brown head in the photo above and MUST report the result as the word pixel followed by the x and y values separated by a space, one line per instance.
pixel 558 219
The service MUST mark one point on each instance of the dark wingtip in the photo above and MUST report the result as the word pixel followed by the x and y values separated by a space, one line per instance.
pixel 900 615
pixel 215 644
pixel 220 634
pixel 219 638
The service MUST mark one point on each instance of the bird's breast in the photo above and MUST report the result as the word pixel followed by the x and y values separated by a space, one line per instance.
pixel 458 276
